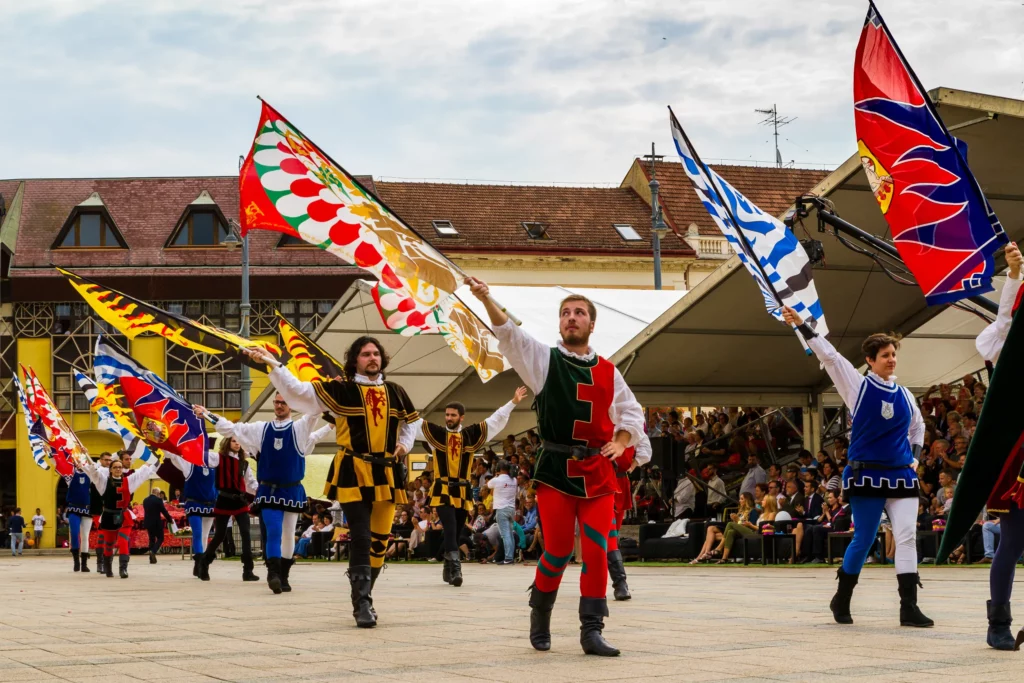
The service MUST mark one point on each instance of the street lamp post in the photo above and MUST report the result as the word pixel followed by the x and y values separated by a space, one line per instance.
pixel 233 239
pixel 658 227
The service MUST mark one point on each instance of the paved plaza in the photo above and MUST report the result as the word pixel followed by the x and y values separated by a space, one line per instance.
pixel 684 624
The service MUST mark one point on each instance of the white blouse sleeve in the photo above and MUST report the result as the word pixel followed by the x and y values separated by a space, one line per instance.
pixel 916 432
pixel 248 434
pixel 498 419
pixel 846 378
pixel 625 412
pixel 140 476
pixel 98 475
pixel 299 395
pixel 643 451
pixel 527 356
pixel 990 341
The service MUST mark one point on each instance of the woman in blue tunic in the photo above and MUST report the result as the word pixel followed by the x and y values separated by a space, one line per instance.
pixel 78 499
pixel 885 440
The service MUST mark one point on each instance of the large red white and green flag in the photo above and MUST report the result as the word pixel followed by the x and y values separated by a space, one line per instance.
pixel 287 184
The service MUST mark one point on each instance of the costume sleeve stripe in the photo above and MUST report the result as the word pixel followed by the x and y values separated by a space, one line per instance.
pixel 327 398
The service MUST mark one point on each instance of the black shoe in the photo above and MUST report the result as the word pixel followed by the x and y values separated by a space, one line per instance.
pixel 152 557
pixel 999 620
pixel 100 571
pixel 286 568
pixel 108 566
pixel 541 604
pixel 204 568
pixel 362 584
pixel 374 573
pixel 805 560
pixel 197 561
pixel 818 560
pixel 910 614
pixel 123 566
pixel 247 573
pixel 617 572
pixel 840 604
pixel 446 572
pixel 274 574
pixel 85 563
pixel 592 614
pixel 453 561
pixel 75 557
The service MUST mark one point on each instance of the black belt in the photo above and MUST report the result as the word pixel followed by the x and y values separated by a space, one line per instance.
pixel 113 512
pixel 574 451
pixel 857 465
pixel 279 486
pixel 375 458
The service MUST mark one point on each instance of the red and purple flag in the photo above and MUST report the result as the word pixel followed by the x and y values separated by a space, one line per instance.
pixel 941 223
pixel 166 421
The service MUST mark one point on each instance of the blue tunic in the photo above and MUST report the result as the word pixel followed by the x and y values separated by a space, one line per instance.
pixel 201 491
pixel 878 440
pixel 280 470
pixel 79 494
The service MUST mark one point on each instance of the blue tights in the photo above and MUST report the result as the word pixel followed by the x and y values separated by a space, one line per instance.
pixel 75 522
pixel 1004 563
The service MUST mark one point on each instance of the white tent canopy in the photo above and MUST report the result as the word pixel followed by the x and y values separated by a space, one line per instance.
pixel 434 375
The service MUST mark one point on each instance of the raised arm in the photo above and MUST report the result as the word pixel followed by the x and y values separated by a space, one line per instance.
pixel 528 356
pixel 97 475
pixel 990 341
pixel 318 436
pixel 499 418
pixel 841 371
pixel 184 465
pixel 141 475
pixel 300 395
pixel 248 434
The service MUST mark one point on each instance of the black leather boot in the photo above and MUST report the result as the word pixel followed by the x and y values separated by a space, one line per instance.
pixel 247 573
pixel 85 563
pixel 374 573
pixel 274 574
pixel 910 614
pixel 152 557
pixel 286 568
pixel 541 604
pixel 123 566
pixel 75 557
pixel 840 604
pixel 446 572
pixel 108 566
pixel 362 607
pixel 204 568
pixel 999 620
pixel 454 560
pixel 592 614
pixel 197 561
pixel 617 572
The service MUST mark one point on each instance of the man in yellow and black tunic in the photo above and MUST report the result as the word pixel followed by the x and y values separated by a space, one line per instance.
pixel 373 424
pixel 453 447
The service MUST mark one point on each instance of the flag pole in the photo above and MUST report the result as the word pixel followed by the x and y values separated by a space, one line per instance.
pixel 380 201
pixel 747 248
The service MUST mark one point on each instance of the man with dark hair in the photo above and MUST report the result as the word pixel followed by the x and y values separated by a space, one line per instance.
pixel 374 427
pixel 587 417
pixel 155 512
pixel 453 447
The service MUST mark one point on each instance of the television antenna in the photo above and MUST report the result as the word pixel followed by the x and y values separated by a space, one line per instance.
pixel 773 119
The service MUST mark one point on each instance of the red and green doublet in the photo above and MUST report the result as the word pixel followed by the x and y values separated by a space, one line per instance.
pixel 572 409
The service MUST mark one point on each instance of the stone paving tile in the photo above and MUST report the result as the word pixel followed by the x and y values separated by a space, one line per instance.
pixel 701 624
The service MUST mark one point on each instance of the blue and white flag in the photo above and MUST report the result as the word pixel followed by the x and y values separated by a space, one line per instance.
pixel 108 421
pixel 40 449
pixel 771 253
pixel 110 363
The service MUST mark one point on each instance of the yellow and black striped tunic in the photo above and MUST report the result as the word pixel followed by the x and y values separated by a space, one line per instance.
pixel 368 418
pixel 453 456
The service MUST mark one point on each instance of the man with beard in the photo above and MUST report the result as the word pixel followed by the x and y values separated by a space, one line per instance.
pixel 453 448
pixel 587 417
pixel 374 433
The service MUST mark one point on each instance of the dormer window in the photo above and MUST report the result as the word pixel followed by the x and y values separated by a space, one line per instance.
pixel 536 230
pixel 445 229
pixel 293 242
pixel 89 227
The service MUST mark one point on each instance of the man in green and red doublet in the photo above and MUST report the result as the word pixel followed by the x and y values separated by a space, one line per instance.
pixel 587 417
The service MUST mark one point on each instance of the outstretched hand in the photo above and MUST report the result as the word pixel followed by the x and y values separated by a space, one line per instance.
pixel 791 317
pixel 1014 259
pixel 478 287
pixel 519 395
pixel 260 355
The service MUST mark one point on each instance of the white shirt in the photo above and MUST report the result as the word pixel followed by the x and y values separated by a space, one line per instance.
pixel 494 424
pixel 685 495
pixel 302 397
pixel 990 341
pixel 100 475
pixel 716 490
pixel 643 451
pixel 212 457
pixel 37 522
pixel 531 359
pixel 504 488
pixel 250 434
pixel 848 383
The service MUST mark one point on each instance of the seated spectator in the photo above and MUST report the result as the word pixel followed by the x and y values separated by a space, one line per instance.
pixel 830 479
pixel 816 538
pixel 401 532
pixel 743 524
pixel 712 536
pixel 322 522
pixel 775 491
pixel 807 461
pixel 809 511
pixel 989 532
pixel 716 491
pixel 775 474
pixel 530 518
pixel 947 480
pixel 769 510
pixel 755 475
pixel 684 498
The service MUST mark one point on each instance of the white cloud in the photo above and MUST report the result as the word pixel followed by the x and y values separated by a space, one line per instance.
pixel 533 91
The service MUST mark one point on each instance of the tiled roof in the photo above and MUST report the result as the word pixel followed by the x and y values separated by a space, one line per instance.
pixel 772 189
pixel 490 217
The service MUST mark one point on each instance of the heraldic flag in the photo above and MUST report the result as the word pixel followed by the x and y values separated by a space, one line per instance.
pixel 132 317
pixel 36 431
pixel 308 361
pixel 288 184
pixel 106 405
pixel 771 253
pixel 942 225
pixel 166 420
pixel 64 447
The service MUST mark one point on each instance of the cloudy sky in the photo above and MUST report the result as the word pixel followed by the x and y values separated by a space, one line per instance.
pixel 548 91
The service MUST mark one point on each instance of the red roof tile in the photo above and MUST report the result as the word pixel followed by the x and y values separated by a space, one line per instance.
pixel 489 218
pixel 772 189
